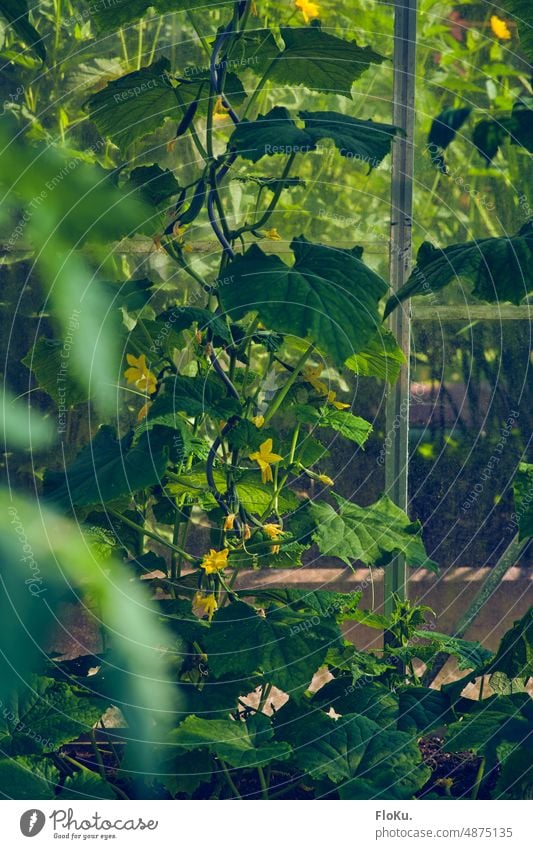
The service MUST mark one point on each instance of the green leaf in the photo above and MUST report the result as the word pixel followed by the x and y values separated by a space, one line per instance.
pixel 85 784
pixel 194 396
pixel 522 491
pixel 134 105
pixel 285 646
pixel 270 134
pixel 111 16
pixel 253 49
pixel 442 132
pixel 276 132
pixel 46 362
pixel 333 295
pixel 18 780
pixel 156 185
pixel 516 777
pixel 17 13
pixel 382 357
pixel 109 468
pixel 253 494
pixel 470 654
pixel 45 714
pixel 499 269
pixel 370 699
pixel 356 140
pixel 373 534
pixel 240 744
pixel 352 749
pixel 181 318
pixel 422 709
pixel 352 427
pixel 186 773
pixel 494 721
pixel 488 135
pixel 321 61
pixel 515 652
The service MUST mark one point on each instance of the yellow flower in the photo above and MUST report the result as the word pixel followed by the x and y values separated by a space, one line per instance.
pixel 229 522
pixel 273 531
pixel 308 9
pixel 500 28
pixel 272 234
pixel 215 561
pixel 327 481
pixel 258 421
pixel 140 375
pixel 311 375
pixel 246 532
pixel 220 112
pixel 263 458
pixel 338 404
pixel 205 605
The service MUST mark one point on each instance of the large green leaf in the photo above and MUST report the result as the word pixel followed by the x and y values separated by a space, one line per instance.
pixel 370 699
pixel 321 61
pixel 373 534
pixel 523 499
pixel 285 646
pixel 422 709
pixel 44 714
pixel 240 744
pixel 19 780
pixel 47 360
pixel 352 427
pixel 499 269
pixel 111 16
pixel 86 784
pixel 470 654
pixel 16 12
pixel 276 132
pixel 382 358
pixel 255 496
pixel 500 719
pixel 134 105
pixel 194 396
pixel 353 751
pixel 515 652
pixel 155 184
pixel 109 468
pixel 357 140
pixel 328 295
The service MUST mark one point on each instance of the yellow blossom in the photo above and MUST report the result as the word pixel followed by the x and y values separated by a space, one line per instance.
pixel 229 522
pixel 258 421
pixel 327 481
pixel 205 605
pixel 140 375
pixel 246 532
pixel 263 458
pixel 272 234
pixel 500 28
pixel 311 375
pixel 215 561
pixel 338 404
pixel 220 112
pixel 178 230
pixel 308 9
pixel 273 531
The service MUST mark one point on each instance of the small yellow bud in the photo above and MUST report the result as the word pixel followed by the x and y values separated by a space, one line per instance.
pixel 258 421
pixel 327 481
pixel 229 522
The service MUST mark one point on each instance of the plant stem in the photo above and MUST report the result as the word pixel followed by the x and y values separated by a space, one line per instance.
pixel 263 782
pixel 282 394
pixel 479 778
pixel 97 754
pixel 229 779
pixel 152 535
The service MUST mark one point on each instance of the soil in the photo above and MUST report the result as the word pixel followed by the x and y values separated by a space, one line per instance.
pixel 459 767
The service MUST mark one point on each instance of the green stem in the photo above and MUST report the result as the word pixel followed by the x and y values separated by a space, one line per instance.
pixel 151 534
pixel 156 39
pixel 140 44
pixel 479 778
pixel 97 754
pixel 282 394
pixel 259 89
pixel 246 228
pixel 196 28
pixel 263 782
pixel 229 779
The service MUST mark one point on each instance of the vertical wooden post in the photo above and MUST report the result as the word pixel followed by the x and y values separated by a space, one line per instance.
pixel 397 408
